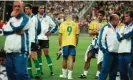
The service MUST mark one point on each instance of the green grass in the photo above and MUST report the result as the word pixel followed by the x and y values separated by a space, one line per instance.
pixel 57 64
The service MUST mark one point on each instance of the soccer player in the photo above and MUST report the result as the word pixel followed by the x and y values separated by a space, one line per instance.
pixel 37 29
pixel 48 27
pixel 92 49
pixel 109 45
pixel 17 46
pixel 68 40
pixel 126 46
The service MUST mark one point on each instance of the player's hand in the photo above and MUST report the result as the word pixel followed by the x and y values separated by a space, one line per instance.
pixel 122 34
pixel 15 13
pixel 97 31
pixel 48 33
pixel 33 55
pixel 20 33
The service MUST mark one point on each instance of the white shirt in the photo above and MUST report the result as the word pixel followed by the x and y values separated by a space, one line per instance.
pixel 47 24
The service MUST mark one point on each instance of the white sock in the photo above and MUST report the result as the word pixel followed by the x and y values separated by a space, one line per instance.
pixel 64 71
pixel 85 73
pixel 70 74
pixel 97 74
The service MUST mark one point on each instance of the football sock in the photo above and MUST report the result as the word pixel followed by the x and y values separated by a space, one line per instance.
pixel 49 61
pixel 39 57
pixel 29 67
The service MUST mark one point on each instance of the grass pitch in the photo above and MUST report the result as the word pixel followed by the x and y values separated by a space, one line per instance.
pixel 57 64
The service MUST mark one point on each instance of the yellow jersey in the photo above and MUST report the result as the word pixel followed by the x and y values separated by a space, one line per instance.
pixel 96 25
pixel 120 25
pixel 69 29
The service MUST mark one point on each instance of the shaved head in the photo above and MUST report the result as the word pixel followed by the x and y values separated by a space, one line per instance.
pixel 114 19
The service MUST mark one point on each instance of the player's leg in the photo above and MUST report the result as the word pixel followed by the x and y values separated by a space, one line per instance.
pixel 131 65
pixel 72 54
pixel 87 63
pixel 99 62
pixel 30 67
pixel 70 67
pixel 106 64
pixel 64 67
pixel 129 60
pixel 48 58
pixel 99 66
pixel 36 62
pixel 114 67
pixel 91 52
pixel 39 55
pixel 64 63
pixel 10 67
pixel 123 67
pixel 132 68
pixel 20 63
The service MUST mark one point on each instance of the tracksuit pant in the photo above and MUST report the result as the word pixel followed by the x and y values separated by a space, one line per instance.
pixel 16 66
pixel 124 65
pixel 109 66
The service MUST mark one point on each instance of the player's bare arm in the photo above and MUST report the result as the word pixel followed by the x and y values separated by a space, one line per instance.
pixel 93 32
pixel 77 39
pixel 48 33
pixel 60 40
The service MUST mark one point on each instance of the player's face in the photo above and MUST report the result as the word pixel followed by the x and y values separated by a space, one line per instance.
pixel 17 7
pixel 28 10
pixel 116 21
pixel 41 10
pixel 127 18
pixel 100 16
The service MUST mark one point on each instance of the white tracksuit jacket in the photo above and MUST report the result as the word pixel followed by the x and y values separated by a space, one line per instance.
pixel 15 43
pixel 108 39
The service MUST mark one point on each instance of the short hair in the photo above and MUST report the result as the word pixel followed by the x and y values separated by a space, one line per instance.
pixel 130 13
pixel 102 12
pixel 28 5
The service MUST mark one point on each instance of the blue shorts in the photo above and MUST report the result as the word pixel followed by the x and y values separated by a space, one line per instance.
pixel 69 50
pixel 93 50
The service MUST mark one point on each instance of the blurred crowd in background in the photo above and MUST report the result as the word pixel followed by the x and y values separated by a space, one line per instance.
pixel 58 10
